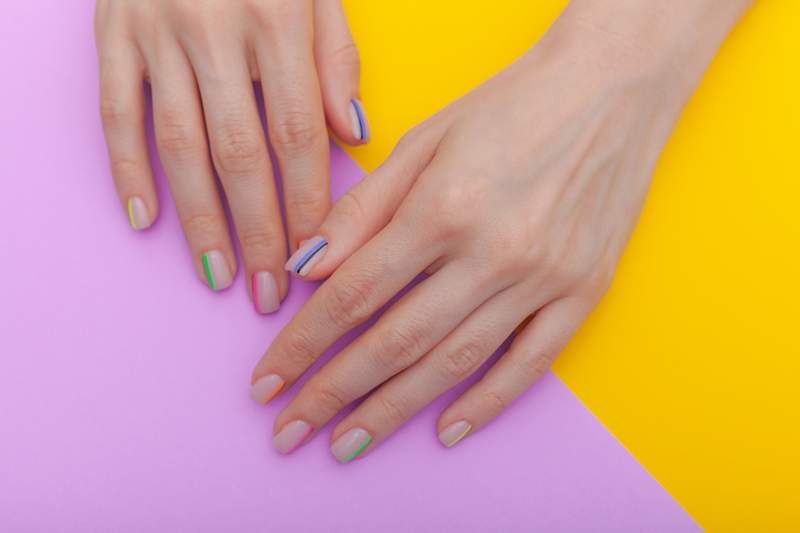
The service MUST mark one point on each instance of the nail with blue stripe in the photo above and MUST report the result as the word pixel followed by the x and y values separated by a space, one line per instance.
pixel 308 255
pixel 358 120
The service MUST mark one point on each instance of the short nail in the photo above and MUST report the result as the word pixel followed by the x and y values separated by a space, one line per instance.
pixel 308 255
pixel 137 213
pixel 350 445
pixel 218 273
pixel 291 436
pixel 266 388
pixel 358 120
pixel 452 434
pixel 265 293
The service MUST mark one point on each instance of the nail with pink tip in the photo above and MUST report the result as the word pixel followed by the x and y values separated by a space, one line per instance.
pixel 291 436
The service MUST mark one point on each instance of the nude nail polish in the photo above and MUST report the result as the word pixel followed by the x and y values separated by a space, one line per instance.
pixel 358 121
pixel 452 434
pixel 265 293
pixel 291 436
pixel 266 388
pixel 137 213
pixel 307 256
pixel 350 445
pixel 218 273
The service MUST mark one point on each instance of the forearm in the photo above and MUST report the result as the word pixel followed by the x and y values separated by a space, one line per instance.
pixel 681 34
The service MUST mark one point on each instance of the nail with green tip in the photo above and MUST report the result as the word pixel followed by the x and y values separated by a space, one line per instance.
pixel 217 272
pixel 350 445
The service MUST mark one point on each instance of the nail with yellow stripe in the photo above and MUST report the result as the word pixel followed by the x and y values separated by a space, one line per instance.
pixel 137 213
pixel 454 433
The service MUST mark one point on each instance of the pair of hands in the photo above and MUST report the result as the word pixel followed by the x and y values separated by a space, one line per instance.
pixel 517 201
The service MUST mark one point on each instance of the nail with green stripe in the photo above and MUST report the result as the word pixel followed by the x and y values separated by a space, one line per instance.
pixel 350 445
pixel 217 271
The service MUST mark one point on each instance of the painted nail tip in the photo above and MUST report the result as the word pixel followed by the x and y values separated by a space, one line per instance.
pixel 363 134
pixel 303 260
pixel 454 434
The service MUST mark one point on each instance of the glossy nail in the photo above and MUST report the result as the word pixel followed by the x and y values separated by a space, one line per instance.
pixel 137 213
pixel 291 436
pixel 452 434
pixel 266 388
pixel 308 255
pixel 265 293
pixel 218 273
pixel 358 120
pixel 350 445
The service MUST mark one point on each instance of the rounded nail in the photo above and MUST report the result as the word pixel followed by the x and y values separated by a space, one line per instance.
pixel 307 256
pixel 266 388
pixel 218 273
pixel 452 434
pixel 350 445
pixel 291 436
pixel 358 121
pixel 265 293
pixel 137 213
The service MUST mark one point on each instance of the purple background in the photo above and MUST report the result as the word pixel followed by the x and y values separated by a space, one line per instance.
pixel 124 382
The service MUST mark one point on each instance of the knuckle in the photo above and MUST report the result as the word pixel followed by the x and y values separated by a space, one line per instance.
pixel 398 347
pixel 394 410
pixel 176 139
pixel 350 208
pixel 126 168
pixel 348 303
pixel 113 112
pixel 329 398
pixel 536 364
pixel 345 55
pixel 495 401
pixel 299 346
pixel 460 363
pixel 201 225
pixel 307 200
pixel 296 132
pixel 260 237
pixel 240 149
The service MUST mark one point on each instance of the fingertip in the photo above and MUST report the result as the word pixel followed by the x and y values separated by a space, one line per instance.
pixel 217 270
pixel 140 216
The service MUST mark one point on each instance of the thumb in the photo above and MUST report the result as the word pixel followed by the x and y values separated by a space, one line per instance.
pixel 366 208
pixel 339 72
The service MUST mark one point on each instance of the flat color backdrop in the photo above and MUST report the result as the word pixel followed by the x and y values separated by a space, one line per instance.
pixel 693 359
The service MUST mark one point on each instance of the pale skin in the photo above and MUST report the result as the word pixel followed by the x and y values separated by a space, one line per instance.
pixel 517 200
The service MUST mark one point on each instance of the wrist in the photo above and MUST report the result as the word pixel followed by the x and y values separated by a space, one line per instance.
pixel 673 41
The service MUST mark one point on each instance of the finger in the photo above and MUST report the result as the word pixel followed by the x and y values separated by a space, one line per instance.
pixel 339 72
pixel 122 107
pixel 366 208
pixel 453 360
pixel 411 328
pixel 183 149
pixel 529 357
pixel 295 119
pixel 240 155
pixel 359 288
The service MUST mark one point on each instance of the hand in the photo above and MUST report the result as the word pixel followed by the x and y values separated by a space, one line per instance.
pixel 200 58
pixel 517 201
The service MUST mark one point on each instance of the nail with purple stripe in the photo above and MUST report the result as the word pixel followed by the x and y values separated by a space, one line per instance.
pixel 358 120
pixel 307 256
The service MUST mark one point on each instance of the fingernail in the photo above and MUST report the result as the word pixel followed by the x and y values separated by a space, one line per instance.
pixel 137 213
pixel 358 120
pixel 218 273
pixel 265 293
pixel 350 445
pixel 452 434
pixel 308 255
pixel 291 436
pixel 266 388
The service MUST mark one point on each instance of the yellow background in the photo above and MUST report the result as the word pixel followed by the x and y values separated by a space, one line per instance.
pixel 693 358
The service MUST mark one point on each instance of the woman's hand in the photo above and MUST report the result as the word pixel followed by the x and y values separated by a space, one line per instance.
pixel 200 58
pixel 517 201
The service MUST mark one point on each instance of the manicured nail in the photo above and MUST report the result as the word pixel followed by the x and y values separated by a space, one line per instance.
pixel 218 273
pixel 265 293
pixel 291 436
pixel 137 213
pixel 266 388
pixel 350 445
pixel 308 255
pixel 452 434
pixel 358 120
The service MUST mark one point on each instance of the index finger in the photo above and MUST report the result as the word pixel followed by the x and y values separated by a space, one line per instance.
pixel 361 286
